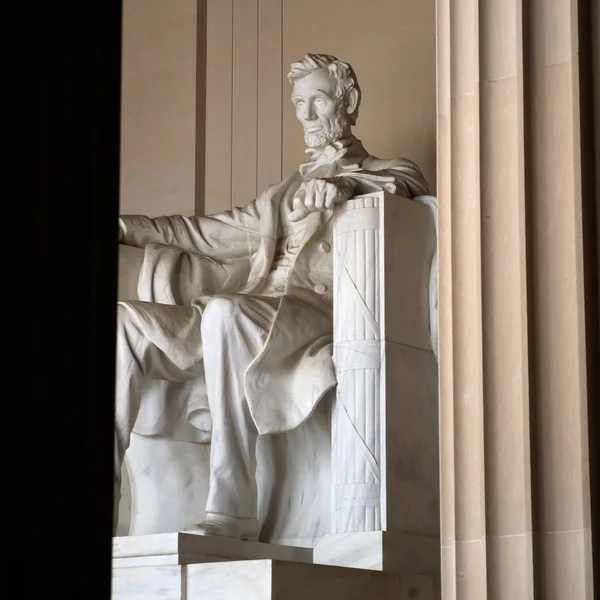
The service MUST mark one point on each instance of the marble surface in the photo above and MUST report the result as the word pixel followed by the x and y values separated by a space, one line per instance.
pixel 158 582
pixel 380 551
pixel 266 580
pixel 293 470
pixel 378 298
pixel 410 485
pixel 182 469
pixel 185 548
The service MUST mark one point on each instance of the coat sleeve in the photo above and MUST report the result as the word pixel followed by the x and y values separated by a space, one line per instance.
pixel 396 176
pixel 229 234
pixel 408 179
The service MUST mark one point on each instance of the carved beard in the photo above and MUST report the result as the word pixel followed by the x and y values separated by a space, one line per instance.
pixel 332 130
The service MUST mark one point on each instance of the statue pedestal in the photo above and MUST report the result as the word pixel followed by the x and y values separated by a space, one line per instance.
pixel 381 551
pixel 186 548
pixel 182 566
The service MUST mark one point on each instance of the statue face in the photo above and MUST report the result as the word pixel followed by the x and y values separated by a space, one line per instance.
pixel 322 115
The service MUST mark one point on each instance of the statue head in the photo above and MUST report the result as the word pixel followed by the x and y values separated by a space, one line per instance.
pixel 326 95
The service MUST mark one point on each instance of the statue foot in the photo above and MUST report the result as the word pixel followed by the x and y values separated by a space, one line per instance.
pixel 228 527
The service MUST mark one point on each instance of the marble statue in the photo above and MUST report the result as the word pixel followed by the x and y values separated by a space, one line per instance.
pixel 232 335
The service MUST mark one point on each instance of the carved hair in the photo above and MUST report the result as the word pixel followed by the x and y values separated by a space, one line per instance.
pixel 343 72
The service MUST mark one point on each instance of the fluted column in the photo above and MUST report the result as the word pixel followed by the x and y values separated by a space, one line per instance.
pixel 386 370
pixel 513 394
pixel 384 457
pixel 356 431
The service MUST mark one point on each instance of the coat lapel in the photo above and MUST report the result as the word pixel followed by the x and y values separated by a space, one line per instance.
pixel 269 202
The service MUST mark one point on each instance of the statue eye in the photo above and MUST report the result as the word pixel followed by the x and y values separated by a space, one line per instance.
pixel 319 100
pixel 300 103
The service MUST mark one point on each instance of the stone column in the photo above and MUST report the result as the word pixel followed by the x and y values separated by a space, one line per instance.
pixel 513 397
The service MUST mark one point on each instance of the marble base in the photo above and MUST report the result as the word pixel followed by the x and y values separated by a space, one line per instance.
pixel 380 551
pixel 169 549
pixel 265 580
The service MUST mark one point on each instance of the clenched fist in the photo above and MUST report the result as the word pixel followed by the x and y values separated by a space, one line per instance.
pixel 320 194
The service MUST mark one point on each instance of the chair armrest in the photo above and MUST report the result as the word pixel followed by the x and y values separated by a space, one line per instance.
pixel 130 264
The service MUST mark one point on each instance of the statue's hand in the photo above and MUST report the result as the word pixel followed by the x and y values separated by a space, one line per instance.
pixel 320 194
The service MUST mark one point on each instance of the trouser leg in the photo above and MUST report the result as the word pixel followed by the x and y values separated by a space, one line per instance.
pixel 137 359
pixel 234 330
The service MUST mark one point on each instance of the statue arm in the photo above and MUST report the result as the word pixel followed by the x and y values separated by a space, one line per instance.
pixel 223 235
pixel 406 177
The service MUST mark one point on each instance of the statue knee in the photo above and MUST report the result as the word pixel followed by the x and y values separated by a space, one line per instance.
pixel 220 312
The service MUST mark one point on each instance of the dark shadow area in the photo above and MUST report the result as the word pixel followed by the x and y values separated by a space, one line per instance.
pixel 588 16
pixel 73 285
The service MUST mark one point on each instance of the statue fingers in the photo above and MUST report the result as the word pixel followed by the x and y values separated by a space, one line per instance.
pixel 332 196
pixel 309 198
pixel 320 196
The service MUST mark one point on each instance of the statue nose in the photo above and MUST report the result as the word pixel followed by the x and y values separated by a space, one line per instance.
pixel 308 114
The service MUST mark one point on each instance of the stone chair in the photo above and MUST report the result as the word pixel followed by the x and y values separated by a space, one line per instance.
pixel 358 481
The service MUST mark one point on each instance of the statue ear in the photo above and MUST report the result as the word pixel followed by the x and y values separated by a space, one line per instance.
pixel 351 101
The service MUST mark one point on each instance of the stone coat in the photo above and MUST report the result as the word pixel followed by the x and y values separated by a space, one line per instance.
pixel 189 259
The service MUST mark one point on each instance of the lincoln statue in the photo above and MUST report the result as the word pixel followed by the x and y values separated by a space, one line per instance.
pixel 240 303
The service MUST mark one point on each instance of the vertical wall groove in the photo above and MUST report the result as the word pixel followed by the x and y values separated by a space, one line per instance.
pixel 446 386
pixel 283 82
pixel 200 154
pixel 258 86
pixel 505 339
pixel 270 74
pixel 245 102
pixel 219 105
pixel 231 91
pixel 466 301
pixel 558 387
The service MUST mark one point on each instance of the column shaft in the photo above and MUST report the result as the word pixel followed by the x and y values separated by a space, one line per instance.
pixel 504 300
pixel 561 507
pixel 515 501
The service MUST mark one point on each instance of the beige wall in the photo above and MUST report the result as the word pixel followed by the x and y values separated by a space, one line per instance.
pixel 159 128
pixel 242 55
pixel 252 135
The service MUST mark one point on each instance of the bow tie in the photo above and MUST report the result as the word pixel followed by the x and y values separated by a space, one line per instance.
pixel 329 153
